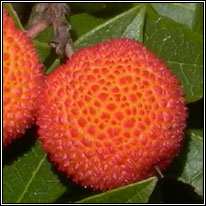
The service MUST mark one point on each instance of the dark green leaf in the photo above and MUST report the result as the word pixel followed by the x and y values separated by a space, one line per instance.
pixel 133 193
pixel 193 169
pixel 197 24
pixel 9 8
pixel 55 64
pixel 180 12
pixel 100 9
pixel 188 166
pixel 156 196
pixel 114 28
pixel 181 48
pixel 46 36
pixel 83 23
pixel 43 49
pixel 30 179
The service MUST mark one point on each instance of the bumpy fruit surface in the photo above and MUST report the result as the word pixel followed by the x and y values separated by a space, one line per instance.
pixel 21 81
pixel 112 113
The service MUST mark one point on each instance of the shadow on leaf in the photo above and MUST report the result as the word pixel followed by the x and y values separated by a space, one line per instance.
pixel 177 166
pixel 19 146
pixel 196 118
pixel 177 192
pixel 74 191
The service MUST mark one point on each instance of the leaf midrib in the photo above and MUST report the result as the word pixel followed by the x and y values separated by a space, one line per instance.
pixel 138 194
pixel 31 179
pixel 106 23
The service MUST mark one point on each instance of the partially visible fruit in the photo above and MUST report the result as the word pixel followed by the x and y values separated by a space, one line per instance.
pixel 21 81
pixel 111 114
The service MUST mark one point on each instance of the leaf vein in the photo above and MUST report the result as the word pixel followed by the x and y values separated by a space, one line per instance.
pixel 31 179
pixel 184 63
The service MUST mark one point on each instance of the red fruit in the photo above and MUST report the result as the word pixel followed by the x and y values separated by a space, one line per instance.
pixel 21 81
pixel 112 113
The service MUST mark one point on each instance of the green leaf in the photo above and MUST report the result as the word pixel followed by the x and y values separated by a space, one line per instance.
pixel 9 8
pixel 100 9
pixel 43 49
pixel 180 12
pixel 83 23
pixel 198 23
pixel 181 48
pixel 46 36
pixel 30 179
pixel 88 7
pixel 114 28
pixel 188 166
pixel 135 29
pixel 55 64
pixel 133 193
pixel 193 169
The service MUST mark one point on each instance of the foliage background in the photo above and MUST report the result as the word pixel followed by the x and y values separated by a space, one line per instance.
pixel 174 31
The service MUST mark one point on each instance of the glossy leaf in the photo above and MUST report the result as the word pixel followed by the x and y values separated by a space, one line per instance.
pixel 180 12
pixel 10 10
pixel 43 49
pixel 30 179
pixel 46 36
pixel 83 23
pixel 198 20
pixel 193 169
pixel 188 166
pixel 181 48
pixel 114 28
pixel 135 28
pixel 101 9
pixel 55 64
pixel 133 193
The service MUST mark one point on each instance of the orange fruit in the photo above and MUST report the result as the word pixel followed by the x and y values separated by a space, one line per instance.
pixel 112 113
pixel 21 81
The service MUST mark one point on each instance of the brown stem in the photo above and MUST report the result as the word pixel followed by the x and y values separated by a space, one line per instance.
pixel 36 29
pixel 69 49
pixel 54 14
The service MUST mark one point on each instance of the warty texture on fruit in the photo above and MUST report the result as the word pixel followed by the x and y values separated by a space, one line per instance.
pixel 21 81
pixel 111 114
